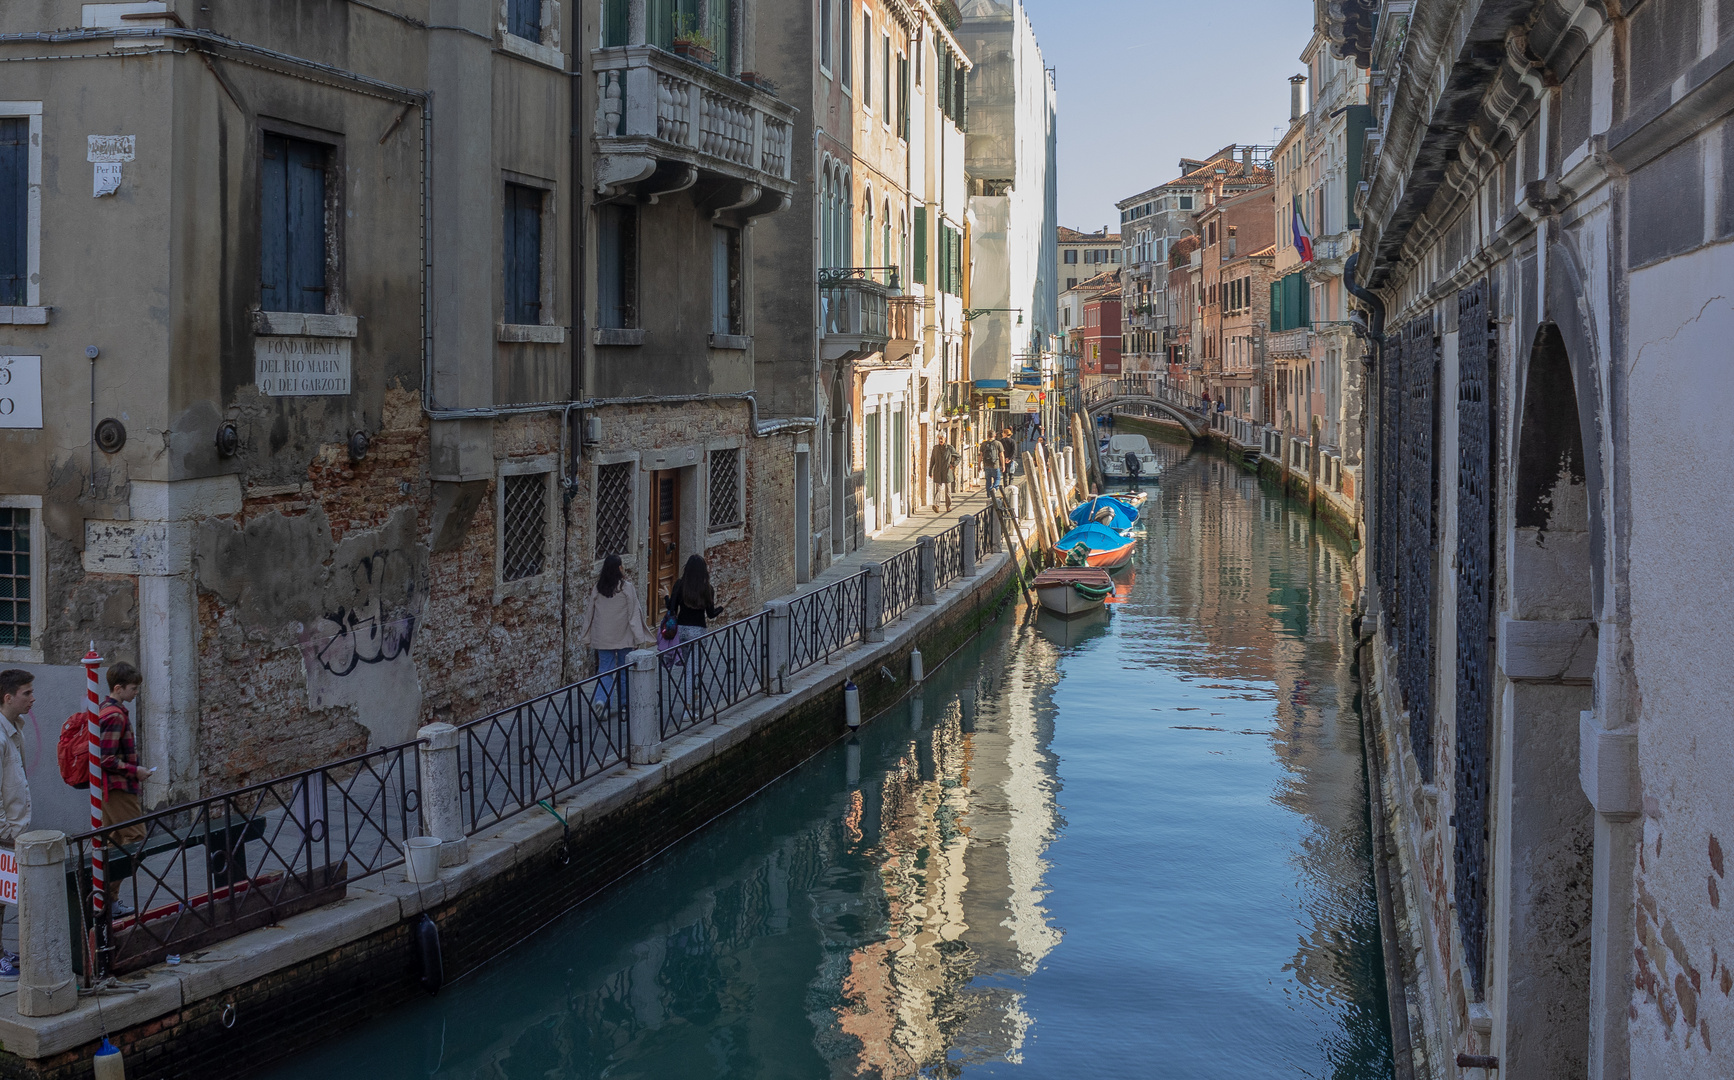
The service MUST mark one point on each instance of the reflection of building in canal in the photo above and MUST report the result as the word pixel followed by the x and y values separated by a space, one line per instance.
pixel 966 817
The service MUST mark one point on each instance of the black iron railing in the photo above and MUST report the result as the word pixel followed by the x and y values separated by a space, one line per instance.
pixel 195 874
pixel 900 585
pixel 538 749
pixel 698 679
pixel 826 621
pixel 948 556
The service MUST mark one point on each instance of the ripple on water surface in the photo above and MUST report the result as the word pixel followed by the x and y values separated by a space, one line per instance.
pixel 1127 846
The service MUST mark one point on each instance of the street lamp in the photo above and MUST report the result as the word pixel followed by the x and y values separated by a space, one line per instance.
pixel 969 314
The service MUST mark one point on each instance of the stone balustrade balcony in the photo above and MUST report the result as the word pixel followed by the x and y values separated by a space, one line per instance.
pixel 855 312
pixel 664 123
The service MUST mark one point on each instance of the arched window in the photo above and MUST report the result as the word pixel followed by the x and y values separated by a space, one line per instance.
pixel 846 221
pixel 827 218
pixel 867 233
pixel 889 251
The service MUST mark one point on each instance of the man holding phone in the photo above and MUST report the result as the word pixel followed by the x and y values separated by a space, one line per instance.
pixel 121 772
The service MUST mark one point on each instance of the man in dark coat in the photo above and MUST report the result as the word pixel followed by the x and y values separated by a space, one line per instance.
pixel 942 469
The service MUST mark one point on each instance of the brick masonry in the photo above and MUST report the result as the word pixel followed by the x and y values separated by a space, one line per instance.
pixel 322 997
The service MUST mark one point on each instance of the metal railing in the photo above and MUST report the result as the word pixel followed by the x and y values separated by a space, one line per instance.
pixel 536 750
pixel 698 679
pixel 826 621
pixel 948 556
pixel 900 584
pixel 185 877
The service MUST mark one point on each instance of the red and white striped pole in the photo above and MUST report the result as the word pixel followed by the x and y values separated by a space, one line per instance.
pixel 92 707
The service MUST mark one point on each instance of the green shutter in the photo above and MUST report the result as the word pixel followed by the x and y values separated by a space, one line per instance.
pixel 921 244
pixel 1275 306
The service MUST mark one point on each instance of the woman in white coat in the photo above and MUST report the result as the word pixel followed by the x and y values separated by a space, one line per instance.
pixel 613 624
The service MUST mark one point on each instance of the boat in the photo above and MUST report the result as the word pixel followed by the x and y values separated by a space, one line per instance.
pixel 1071 631
pixel 1103 547
pixel 1120 515
pixel 1073 590
pixel 1114 458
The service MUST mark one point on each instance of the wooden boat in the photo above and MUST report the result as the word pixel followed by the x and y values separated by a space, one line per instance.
pixel 1073 590
pixel 1119 514
pixel 1104 547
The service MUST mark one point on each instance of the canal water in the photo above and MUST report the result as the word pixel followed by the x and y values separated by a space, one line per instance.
pixel 1134 845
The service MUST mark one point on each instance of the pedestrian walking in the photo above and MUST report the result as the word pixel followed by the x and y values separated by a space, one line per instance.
pixel 121 772
pixel 992 455
pixel 1009 447
pixel 941 469
pixel 692 601
pixel 613 625
pixel 17 697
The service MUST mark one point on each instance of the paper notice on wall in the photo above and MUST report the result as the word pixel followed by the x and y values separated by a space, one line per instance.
pixel 107 180
pixel 301 366
pixel 8 876
pixel 20 391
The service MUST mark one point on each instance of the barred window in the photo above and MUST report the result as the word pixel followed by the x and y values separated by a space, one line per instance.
pixel 524 525
pixel 613 509
pixel 15 570
pixel 725 489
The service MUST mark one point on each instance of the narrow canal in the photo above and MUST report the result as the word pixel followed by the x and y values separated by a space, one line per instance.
pixel 1134 845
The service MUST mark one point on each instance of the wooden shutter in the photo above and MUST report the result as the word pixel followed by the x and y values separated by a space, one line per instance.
pixel 921 244
pixel 522 243
pixel 292 230
pixel 524 19
pixel 14 197
pixel 903 97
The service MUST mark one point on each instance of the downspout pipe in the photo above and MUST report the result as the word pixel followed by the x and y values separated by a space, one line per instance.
pixel 1375 309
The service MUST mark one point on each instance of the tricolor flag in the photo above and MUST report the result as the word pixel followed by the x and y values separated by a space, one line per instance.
pixel 1303 240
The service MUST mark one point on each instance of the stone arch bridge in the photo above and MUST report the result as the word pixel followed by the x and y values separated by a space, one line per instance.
pixel 1105 393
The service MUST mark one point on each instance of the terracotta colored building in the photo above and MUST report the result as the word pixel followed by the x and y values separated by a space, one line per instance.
pixel 1100 332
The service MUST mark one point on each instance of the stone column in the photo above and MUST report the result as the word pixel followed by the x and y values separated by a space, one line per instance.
pixel 873 602
pixel 779 646
pixel 644 731
pixel 928 560
pixel 45 985
pixel 442 812
pixel 967 527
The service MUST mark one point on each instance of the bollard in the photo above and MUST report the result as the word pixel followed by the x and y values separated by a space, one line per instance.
pixel 643 730
pixel 45 985
pixel 917 670
pixel 442 812
pixel 779 646
pixel 928 562
pixel 967 529
pixel 873 602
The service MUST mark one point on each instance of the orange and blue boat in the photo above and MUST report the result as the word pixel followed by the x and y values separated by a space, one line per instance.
pixel 1103 547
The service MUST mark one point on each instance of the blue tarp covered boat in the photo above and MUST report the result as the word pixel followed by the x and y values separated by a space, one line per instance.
pixel 1124 515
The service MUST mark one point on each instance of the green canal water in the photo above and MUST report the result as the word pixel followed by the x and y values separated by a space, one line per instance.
pixel 1132 845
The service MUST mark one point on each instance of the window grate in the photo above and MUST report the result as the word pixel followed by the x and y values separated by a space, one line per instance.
pixel 725 489
pixel 613 509
pixel 15 570
pixel 525 524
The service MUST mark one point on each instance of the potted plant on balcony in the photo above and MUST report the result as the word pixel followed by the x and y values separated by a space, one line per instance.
pixel 690 42
pixel 759 82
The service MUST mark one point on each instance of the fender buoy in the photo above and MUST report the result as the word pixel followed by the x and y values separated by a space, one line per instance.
pixel 427 942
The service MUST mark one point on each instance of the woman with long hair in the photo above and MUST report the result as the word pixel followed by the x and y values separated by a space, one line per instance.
pixel 692 601
pixel 613 623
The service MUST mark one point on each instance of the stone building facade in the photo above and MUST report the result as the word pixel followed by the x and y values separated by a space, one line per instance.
pixel 1544 247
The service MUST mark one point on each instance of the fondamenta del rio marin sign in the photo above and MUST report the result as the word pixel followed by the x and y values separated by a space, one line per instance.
pixel 301 366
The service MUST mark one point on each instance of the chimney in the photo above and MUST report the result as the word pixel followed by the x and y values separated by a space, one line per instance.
pixel 1245 160
pixel 1295 82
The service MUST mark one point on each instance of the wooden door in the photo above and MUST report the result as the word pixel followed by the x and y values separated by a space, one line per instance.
pixel 664 559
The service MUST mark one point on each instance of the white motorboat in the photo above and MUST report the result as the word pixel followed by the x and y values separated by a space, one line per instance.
pixel 1114 458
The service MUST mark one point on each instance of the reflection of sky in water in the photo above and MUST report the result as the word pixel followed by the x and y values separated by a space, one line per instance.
pixel 1119 846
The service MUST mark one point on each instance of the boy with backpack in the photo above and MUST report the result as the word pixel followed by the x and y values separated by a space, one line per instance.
pixel 17 697
pixel 117 761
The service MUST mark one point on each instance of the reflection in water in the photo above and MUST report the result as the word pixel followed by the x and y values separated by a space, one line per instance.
pixel 913 903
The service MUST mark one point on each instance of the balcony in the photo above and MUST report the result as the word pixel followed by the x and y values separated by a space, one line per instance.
pixel 664 123
pixel 903 327
pixel 854 312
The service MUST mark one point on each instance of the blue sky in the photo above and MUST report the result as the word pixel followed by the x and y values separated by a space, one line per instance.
pixel 1145 82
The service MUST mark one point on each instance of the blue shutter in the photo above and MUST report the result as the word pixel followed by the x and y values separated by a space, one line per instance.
pixel 524 19
pixel 14 182
pixel 274 225
pixel 305 166
pixel 523 254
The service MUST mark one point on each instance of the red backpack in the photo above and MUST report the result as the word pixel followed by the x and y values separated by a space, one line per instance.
pixel 74 749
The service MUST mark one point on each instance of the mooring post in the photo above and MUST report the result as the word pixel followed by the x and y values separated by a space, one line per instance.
pixel 442 811
pixel 967 533
pixel 643 730
pixel 45 984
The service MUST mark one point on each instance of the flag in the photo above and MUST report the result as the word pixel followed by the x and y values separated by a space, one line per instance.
pixel 1303 240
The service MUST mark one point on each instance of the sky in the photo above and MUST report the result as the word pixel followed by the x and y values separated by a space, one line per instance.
pixel 1143 83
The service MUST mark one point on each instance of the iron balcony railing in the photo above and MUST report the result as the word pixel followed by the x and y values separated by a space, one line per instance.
pixel 699 679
